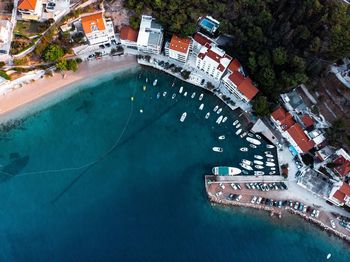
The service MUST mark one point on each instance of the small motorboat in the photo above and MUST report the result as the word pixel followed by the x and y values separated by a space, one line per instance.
pixel 271 160
pixel 247 162
pixel 258 167
pixel 270 146
pixel 258 162
pixel 217 149
pixel 218 121
pixel 270 164
pixel 207 115
pixel 146 80
pixel 235 123
pixel 272 172
pixel 268 152
pixel 219 111
pixel 226 171
pixel 185 94
pixel 273 168
pixel 222 137
pixel 155 82
pixel 181 89
pixel 158 95
pixel 258 157
pixel 164 93
pixel 250 134
pixel 193 95
pixel 201 107
pixel 268 155
pixel 244 149
pixel 183 117
pixel 259 173
pixel 225 119
pixel 216 108
pixel 238 131
pixel 247 167
pixel 201 97
pixel 253 141
pixel 243 134
pixel 257 136
pixel 144 88
pixel 252 146
pixel 172 85
pixel 173 96
pixel 238 126
pixel 329 256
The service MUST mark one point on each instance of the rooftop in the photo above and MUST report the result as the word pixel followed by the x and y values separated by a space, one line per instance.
pixel 234 65
pixel 93 22
pixel 307 121
pixel 283 117
pixel 215 54
pixel 180 44
pixel 300 138
pixel 294 99
pixel 244 85
pixel 342 192
pixel 150 32
pixel 344 165
pixel 127 33
pixel 202 39
pixel 27 4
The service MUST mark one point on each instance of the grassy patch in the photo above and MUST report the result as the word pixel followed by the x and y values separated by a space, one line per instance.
pixel 30 28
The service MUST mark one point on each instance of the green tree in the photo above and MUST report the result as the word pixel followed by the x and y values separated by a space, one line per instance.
pixel 52 53
pixel 62 64
pixel 72 65
pixel 279 56
pixel 4 75
pixel 261 106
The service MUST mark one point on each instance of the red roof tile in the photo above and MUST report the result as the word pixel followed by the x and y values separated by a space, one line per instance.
pixel 285 118
pixel 339 196
pixel 343 191
pixel 299 137
pixel 307 120
pixel 27 4
pixel 93 22
pixel 234 65
pixel 127 33
pixel 244 85
pixel 180 44
pixel 344 165
pixel 201 39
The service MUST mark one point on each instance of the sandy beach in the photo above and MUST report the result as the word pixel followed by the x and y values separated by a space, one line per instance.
pixel 28 93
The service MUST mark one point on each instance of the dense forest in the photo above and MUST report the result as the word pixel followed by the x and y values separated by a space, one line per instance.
pixel 280 43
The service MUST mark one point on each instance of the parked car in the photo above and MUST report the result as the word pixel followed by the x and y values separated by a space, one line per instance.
pixel 332 223
pixel 222 185
pixel 218 193
pixel 239 197
pixel 234 187
pixel 253 200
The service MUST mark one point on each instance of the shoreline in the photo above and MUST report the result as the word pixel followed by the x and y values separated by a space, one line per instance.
pixel 21 99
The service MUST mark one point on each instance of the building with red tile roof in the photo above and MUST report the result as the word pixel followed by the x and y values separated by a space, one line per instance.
pixel 298 139
pixel 240 86
pixel 213 61
pixel 30 9
pixel 128 37
pixel 199 40
pixel 343 168
pixel 97 29
pixel 234 66
pixel 307 121
pixel 282 118
pixel 178 48
pixel 340 194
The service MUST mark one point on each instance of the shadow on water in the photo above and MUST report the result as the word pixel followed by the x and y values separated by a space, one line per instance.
pixel 14 167
pixel 118 145
pixel 86 105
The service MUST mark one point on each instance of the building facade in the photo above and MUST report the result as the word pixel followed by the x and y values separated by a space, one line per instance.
pixel 150 37
pixel 30 9
pixel 240 86
pixel 128 37
pixel 178 48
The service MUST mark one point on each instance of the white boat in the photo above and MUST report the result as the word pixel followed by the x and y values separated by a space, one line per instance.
pixel 193 95
pixel 272 172
pixel 238 126
pixel 218 121
pixel 201 97
pixel 247 162
pixel 257 136
pixel 244 149
pixel 247 167
pixel 146 80
pixel 253 141
pixel 268 152
pixel 219 111
pixel 164 93
pixel 226 171
pixel 329 256
pixel 258 157
pixel 217 149
pixel 183 117
pixel 224 120
pixel 215 108
pixel 172 85
pixel 258 167
pixel 173 96
pixel 155 82
pixel 252 146
pixel 268 155
pixel 259 173
pixel 207 115
pixel 270 164
pixel 238 131
pixel 270 146
pixel 243 134
pixel 258 162
pixel 273 168
pixel 222 137
pixel 236 122
pixel 271 160
pixel 201 107
pixel 185 94
pixel 250 134
pixel 181 89
pixel 158 95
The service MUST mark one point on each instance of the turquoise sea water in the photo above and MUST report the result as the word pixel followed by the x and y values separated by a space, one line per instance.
pixel 94 179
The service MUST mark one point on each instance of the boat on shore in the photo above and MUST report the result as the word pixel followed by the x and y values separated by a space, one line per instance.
pixel 258 162
pixel 207 115
pixel 181 89
pixel 259 173
pixel 216 108
pixel 270 164
pixel 218 149
pixel 258 167
pixel 226 171
pixel 219 111
pixel 173 96
pixel 238 131
pixel 225 119
pixel 201 97
pixel 258 157
pixel 244 149
pixel 155 82
pixel 183 117
pixel 221 137
pixel 270 146
pixel 185 94
pixel 252 146
pixel 253 141
pixel 247 167
pixel 193 95
pixel 218 121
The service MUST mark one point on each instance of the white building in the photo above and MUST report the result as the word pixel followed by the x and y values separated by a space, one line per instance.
pixel 55 9
pixel 240 86
pixel 178 48
pixel 30 9
pixel 97 30
pixel 150 38
pixel 340 194
pixel 5 38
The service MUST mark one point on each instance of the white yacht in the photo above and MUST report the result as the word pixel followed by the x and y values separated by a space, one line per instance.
pixel 269 155
pixel 238 131
pixel 224 120
pixel 183 117
pixel 259 173
pixel 244 149
pixel 201 107
pixel 226 171
pixel 258 157
pixel 218 149
pixel 236 122
pixel 207 115
pixel 253 141
pixel 158 95
pixel 164 93
pixel 247 162
pixel 215 108
pixel 193 95
pixel 181 89
pixel 271 160
pixel 247 167
pixel 243 134
pixel 252 146
pixel 219 111
pixel 222 137
pixel 155 82
pixel 201 97
pixel 270 164
pixel 258 162
pixel 270 146
pixel 272 172
pixel 250 134
pixel 146 80
pixel 173 96
pixel 238 126
pixel 258 167
pixel 218 121
pixel 268 152
pixel 257 136
pixel 185 94
pixel 272 168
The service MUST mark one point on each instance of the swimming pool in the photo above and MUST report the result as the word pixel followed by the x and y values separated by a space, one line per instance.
pixel 208 25
pixel 293 151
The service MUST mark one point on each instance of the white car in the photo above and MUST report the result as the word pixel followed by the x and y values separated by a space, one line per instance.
pixel 234 187
pixel 222 185
pixel 218 193
pixel 332 223
pixel 317 213
pixel 239 197
pixel 259 200
pixel 253 199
